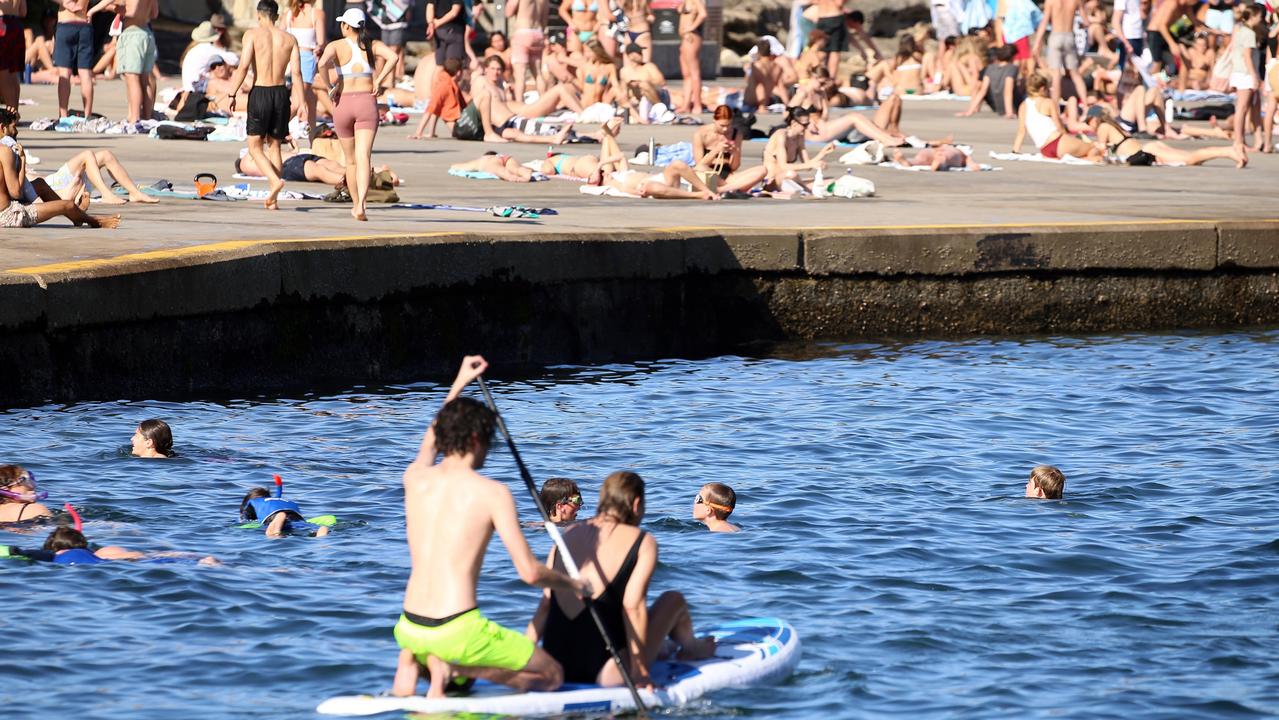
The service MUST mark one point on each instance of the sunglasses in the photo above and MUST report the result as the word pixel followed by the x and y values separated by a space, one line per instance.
pixel 699 500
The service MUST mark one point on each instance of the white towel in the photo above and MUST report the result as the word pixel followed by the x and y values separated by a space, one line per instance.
pixel 606 190
pixel 1036 157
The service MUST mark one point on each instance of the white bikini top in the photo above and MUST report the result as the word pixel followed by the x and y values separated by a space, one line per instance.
pixel 1039 126
pixel 307 39
pixel 349 69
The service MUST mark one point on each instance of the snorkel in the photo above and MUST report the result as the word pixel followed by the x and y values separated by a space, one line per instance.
pixel 27 480
pixel 279 486
pixel 79 524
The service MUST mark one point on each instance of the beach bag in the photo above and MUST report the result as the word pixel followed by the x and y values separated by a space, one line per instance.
pixel 667 154
pixel 191 106
pixel 468 125
pixel 183 132
pixel 868 153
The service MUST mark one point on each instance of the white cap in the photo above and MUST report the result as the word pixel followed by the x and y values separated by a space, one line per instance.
pixel 354 17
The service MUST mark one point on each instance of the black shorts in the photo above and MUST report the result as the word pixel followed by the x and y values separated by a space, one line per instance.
pixel 1160 52
pixel 269 112
pixel 295 167
pixel 836 33
pixel 73 46
pixel 449 42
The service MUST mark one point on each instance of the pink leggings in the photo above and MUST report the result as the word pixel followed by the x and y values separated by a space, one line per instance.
pixel 355 111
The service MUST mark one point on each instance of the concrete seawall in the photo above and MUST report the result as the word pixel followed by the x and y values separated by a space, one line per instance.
pixel 245 317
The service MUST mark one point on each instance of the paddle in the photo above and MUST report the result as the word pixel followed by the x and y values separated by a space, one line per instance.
pixel 558 539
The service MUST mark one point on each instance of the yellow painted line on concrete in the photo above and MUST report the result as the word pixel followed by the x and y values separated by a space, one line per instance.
pixel 176 253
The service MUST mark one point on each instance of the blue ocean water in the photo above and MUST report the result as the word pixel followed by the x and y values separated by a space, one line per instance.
pixel 878 486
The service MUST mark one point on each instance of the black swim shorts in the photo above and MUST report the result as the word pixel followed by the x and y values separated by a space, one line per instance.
pixel 295 167
pixel 269 112
pixel 836 33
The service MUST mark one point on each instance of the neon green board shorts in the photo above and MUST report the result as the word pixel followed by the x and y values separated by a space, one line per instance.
pixel 470 640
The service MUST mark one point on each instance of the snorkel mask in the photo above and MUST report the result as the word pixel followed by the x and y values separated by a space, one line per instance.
pixel 26 480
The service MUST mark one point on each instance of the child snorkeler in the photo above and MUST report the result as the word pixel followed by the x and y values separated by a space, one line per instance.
pixel 713 504
pixel 152 439
pixel 19 496
pixel 1046 483
pixel 69 546
pixel 562 499
pixel 279 516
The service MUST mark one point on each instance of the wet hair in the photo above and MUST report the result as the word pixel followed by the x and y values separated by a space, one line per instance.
pixel 1050 480
pixel 495 59
pixel 460 423
pixel 721 495
pixel 618 496
pixel 65 538
pixel 158 432
pixel 557 490
pixel 1005 53
pixel 723 112
pixel 246 510
pixel 1036 84
pixel 452 65
pixel 269 8
pixel 12 475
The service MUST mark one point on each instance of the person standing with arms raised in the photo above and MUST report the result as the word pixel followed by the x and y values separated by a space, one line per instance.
pixel 528 41
pixel 269 51
pixel 355 115
pixel 451 512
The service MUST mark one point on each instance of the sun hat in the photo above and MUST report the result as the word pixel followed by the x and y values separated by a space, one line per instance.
pixel 353 17
pixel 204 33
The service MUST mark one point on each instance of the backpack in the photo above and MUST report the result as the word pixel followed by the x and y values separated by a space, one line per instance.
pixel 468 125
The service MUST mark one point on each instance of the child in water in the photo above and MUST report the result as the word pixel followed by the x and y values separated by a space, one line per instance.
pixel 152 439
pixel 69 546
pixel 713 504
pixel 277 515
pixel 1046 483
pixel 562 499
pixel 19 496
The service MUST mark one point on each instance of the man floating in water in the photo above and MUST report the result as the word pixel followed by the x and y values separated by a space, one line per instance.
pixel 451 512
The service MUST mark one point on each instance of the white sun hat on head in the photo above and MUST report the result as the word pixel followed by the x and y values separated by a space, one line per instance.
pixel 354 17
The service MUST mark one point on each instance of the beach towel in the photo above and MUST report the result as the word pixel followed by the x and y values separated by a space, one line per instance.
pixel 1036 157
pixel 605 190
pixel 481 175
pixel 925 168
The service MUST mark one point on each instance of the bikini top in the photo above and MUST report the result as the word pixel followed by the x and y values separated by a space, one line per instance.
pixel 579 6
pixel 307 39
pixel 348 70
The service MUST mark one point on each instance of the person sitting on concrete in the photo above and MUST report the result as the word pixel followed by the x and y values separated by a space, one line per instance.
pixel 504 167
pixel 500 114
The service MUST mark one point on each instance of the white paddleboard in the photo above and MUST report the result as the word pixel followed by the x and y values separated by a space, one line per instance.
pixel 750 652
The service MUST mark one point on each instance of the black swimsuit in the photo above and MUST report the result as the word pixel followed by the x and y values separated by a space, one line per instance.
pixel 576 642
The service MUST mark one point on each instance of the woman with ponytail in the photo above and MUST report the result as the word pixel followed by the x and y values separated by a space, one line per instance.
pixel 355 114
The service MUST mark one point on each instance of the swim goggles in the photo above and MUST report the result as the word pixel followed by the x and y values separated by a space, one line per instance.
pixel 28 480
pixel 572 500
pixel 700 501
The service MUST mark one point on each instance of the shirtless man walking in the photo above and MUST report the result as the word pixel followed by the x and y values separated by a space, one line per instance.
pixel 451 512
pixel 73 53
pixel 1063 56
pixel 830 20
pixel 528 41
pixel 269 51
pixel 13 51
pixel 135 54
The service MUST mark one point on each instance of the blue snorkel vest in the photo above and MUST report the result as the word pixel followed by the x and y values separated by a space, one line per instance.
pixel 77 556
pixel 267 507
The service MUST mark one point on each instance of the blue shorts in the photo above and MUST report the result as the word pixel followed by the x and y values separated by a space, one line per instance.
pixel 73 46
pixel 308 66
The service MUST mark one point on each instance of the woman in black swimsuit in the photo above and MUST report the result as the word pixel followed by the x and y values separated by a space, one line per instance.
pixel 18 496
pixel 618 558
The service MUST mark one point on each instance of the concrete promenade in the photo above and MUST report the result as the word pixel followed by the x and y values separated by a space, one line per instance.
pixel 194 298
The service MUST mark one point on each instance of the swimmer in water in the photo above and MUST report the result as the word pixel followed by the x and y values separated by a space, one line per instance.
pixel 152 439
pixel 451 512
pixel 69 546
pixel 19 495
pixel 277 515
pixel 562 500
pixel 713 504
pixel 1046 483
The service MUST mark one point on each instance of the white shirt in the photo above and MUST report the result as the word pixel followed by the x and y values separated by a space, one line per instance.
pixel 1132 23
pixel 196 63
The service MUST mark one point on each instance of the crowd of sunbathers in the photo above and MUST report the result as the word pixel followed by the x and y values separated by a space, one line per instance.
pixel 1086 83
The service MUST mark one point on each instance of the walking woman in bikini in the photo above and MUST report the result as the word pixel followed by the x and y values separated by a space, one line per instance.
pixel 305 21
pixel 355 115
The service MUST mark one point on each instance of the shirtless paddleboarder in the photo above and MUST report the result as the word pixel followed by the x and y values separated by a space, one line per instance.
pixel 451 512
pixel 269 51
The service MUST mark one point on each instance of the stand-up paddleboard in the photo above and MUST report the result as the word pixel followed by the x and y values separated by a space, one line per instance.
pixel 753 651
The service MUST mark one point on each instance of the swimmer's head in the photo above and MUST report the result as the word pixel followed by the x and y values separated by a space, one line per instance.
pixel 715 500
pixel 65 538
pixel 622 497
pixel 561 498
pixel 246 508
pixel 1046 482
pixel 464 426
pixel 153 438
pixel 17 484
pixel 269 9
